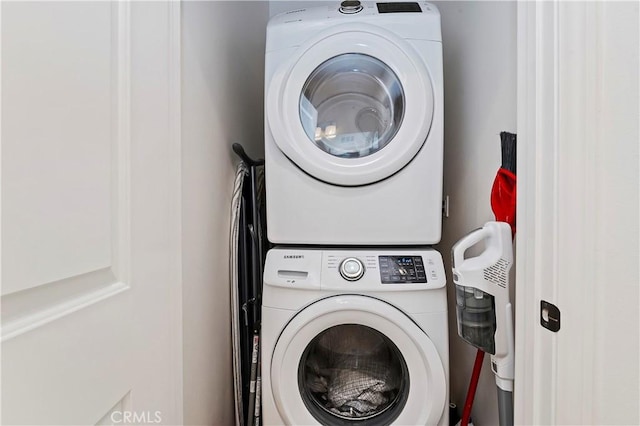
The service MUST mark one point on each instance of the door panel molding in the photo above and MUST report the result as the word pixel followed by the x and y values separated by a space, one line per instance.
pixel 175 152
pixel 40 304
pixel 121 144
pixel 26 310
pixel 57 80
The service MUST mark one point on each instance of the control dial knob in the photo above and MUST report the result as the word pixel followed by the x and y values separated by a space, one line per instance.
pixel 351 269
pixel 350 6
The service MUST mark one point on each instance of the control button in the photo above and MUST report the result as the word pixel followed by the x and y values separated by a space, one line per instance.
pixel 351 269
pixel 350 6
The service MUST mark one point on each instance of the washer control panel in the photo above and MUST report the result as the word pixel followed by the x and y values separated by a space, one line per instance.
pixel 355 270
pixel 402 269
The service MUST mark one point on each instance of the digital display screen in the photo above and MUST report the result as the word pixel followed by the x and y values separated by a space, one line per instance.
pixel 402 269
pixel 400 7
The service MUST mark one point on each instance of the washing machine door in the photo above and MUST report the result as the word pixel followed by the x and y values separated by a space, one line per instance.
pixel 349 358
pixel 353 107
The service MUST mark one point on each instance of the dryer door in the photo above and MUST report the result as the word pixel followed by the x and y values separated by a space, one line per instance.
pixel 354 107
pixel 350 358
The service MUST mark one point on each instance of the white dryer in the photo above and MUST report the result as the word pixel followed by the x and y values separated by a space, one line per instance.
pixel 354 335
pixel 354 124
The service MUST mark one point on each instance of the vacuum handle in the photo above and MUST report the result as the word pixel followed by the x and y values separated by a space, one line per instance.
pixel 470 240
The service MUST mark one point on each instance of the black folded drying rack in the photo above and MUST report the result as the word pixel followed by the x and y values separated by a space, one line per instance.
pixel 252 247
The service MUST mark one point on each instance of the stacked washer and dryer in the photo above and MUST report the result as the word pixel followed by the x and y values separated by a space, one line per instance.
pixel 354 307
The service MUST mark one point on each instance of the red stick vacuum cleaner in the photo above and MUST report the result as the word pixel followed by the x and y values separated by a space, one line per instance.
pixel 503 204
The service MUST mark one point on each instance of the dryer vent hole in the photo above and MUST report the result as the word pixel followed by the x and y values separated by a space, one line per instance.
pixel 353 372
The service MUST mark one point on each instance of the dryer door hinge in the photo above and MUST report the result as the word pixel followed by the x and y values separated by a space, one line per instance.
pixel 445 206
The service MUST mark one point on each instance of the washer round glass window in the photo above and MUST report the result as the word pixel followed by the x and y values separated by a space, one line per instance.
pixel 352 105
pixel 350 373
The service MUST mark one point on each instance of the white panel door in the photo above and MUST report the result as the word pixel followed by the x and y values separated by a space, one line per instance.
pixel 90 213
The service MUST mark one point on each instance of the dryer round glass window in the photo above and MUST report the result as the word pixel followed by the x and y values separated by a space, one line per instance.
pixel 353 373
pixel 352 105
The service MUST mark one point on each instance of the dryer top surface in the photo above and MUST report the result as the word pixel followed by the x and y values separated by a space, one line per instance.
pixel 293 27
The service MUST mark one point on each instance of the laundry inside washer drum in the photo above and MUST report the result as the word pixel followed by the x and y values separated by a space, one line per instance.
pixel 352 372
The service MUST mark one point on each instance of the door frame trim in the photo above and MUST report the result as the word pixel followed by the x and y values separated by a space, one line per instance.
pixel 175 146
pixel 537 106
pixel 559 72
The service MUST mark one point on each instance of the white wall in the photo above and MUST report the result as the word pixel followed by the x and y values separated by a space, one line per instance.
pixel 479 43
pixel 222 85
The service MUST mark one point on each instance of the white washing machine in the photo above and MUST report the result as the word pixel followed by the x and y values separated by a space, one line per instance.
pixel 354 124
pixel 354 335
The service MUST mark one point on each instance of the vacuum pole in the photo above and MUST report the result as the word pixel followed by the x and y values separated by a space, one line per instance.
pixel 505 407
